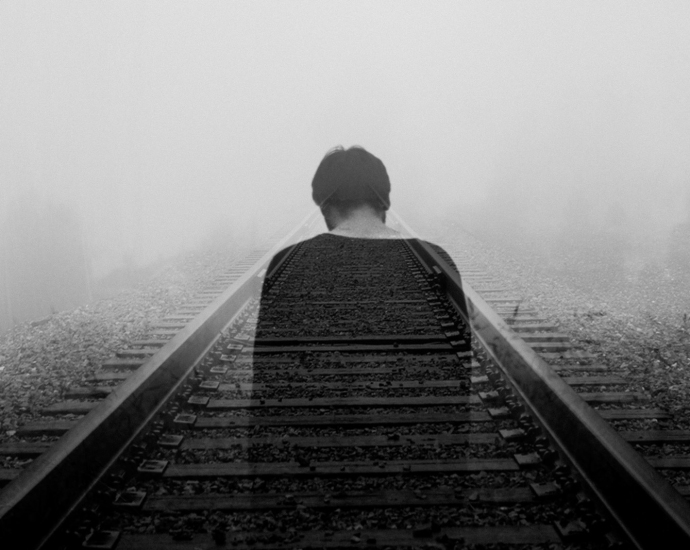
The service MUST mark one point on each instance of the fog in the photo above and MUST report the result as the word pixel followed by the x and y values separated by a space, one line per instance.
pixel 144 129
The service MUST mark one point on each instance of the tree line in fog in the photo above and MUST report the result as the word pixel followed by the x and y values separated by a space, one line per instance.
pixel 44 265
pixel 605 250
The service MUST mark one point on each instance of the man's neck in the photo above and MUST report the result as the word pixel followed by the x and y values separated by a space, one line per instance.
pixel 363 222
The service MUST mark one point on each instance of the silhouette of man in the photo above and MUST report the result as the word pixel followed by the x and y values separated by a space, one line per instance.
pixel 352 188
pixel 340 309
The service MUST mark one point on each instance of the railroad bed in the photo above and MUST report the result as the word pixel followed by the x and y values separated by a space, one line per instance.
pixel 359 416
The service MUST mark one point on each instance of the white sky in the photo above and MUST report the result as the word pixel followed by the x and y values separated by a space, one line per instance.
pixel 163 120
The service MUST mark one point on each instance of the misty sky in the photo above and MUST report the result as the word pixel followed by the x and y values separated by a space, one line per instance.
pixel 163 121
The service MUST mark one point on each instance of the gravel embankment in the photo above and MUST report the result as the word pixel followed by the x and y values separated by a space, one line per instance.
pixel 39 360
pixel 641 328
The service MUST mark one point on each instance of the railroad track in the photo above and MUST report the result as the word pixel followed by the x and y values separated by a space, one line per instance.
pixel 357 418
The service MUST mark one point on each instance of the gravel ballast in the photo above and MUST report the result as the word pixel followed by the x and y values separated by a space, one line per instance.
pixel 40 360
pixel 639 328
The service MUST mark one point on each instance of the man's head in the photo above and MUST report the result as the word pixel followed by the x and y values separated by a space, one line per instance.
pixel 350 178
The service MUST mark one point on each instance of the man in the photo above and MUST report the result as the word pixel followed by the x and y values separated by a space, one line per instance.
pixel 352 188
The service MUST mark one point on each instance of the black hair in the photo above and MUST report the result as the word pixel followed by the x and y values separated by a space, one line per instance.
pixel 350 177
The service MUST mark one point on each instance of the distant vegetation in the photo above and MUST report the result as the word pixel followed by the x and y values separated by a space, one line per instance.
pixel 44 267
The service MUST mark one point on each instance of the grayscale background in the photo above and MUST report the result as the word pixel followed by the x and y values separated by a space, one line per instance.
pixel 131 132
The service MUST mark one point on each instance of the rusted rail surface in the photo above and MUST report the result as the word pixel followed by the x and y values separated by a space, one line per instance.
pixel 34 504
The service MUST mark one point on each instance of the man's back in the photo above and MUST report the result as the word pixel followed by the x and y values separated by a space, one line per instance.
pixel 367 281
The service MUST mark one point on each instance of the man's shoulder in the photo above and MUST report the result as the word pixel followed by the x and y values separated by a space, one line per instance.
pixel 442 253
pixel 281 255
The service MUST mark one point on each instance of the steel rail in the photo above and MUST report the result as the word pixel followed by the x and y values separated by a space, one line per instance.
pixel 648 510
pixel 41 498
